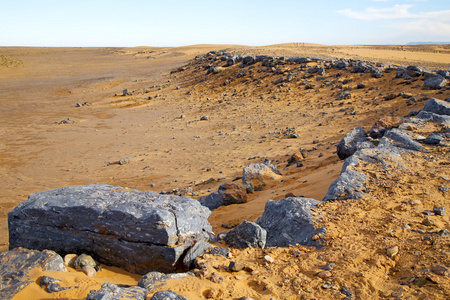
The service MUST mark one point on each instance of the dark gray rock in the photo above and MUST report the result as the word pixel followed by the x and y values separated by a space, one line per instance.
pixel 196 250
pixel 110 291
pixel 342 65
pixel 348 145
pixel 134 230
pixel 227 194
pixel 433 139
pixel 15 265
pixel 438 107
pixel 220 251
pixel 247 234
pixel 435 82
pixel 349 184
pixel 402 139
pixel 427 116
pixel 439 211
pixel 167 295
pixel 289 221
pixel 156 280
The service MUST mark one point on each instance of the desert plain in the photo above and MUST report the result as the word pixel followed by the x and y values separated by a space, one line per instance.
pixel 65 120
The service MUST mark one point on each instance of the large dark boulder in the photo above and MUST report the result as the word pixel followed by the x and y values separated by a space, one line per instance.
pixel 352 141
pixel 16 264
pixel 247 234
pixel 289 221
pixel 134 230
pixel 435 82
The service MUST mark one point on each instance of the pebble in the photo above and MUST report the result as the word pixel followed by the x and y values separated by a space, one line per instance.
pixel 415 202
pixel 69 259
pixel 428 222
pixel 440 270
pixel 125 160
pixel 391 251
pixel 327 286
pixel 89 271
pixel 328 266
pixel 235 266
pixel 268 259
pixel 324 274
pixel 346 291
pixel 440 211
pixel 397 294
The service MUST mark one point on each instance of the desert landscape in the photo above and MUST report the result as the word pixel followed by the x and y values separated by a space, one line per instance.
pixel 183 121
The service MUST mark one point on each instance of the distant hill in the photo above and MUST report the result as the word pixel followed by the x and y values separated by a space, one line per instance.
pixel 427 43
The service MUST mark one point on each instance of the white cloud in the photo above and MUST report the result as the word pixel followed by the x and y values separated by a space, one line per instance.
pixel 370 13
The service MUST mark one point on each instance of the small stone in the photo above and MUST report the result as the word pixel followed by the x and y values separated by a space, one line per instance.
pixel 204 118
pixel 428 222
pixel 324 274
pixel 69 259
pixel 216 278
pixel 420 281
pixel 89 271
pixel 327 286
pixel 125 160
pixel 268 259
pixel 328 266
pixel 406 227
pixel 444 233
pixel 84 260
pixel 415 202
pixel 346 291
pixel 440 211
pixel 440 270
pixel 391 251
pixel 235 266
pixel 397 294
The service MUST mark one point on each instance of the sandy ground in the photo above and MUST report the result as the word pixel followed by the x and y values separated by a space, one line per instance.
pixel 170 147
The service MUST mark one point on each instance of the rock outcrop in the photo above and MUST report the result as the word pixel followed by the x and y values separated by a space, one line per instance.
pixel 110 291
pixel 17 263
pixel 289 221
pixel 352 141
pixel 137 231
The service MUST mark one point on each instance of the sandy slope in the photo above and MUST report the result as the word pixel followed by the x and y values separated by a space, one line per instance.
pixel 172 148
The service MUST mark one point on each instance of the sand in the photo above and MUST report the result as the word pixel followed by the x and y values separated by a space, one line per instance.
pixel 170 147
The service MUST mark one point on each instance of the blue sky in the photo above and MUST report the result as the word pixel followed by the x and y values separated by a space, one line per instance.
pixel 247 22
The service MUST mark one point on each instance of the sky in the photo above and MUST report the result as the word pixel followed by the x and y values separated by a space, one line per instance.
pixel 128 23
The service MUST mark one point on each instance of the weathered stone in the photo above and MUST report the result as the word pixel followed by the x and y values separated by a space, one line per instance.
pixel 391 251
pixel 440 270
pixel 348 145
pixel 235 266
pixel 110 291
pixel 220 251
pixel 289 221
pixel 227 194
pixel 89 271
pixel 69 259
pixel 438 107
pixel 297 156
pixel 167 295
pixel 125 160
pixel 84 260
pixel 388 122
pixel 138 231
pixel 440 211
pixel 246 234
pixel 257 175
pixel 156 280
pixel 196 250
pixel 15 265
pixel 402 139
pixel 435 82
pixel 433 139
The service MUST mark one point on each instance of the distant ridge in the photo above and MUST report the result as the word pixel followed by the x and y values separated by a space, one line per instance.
pixel 427 43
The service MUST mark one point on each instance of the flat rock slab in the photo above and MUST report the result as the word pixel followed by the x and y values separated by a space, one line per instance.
pixel 134 230
pixel 17 263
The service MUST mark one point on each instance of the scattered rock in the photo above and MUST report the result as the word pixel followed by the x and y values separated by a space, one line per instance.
pixel 388 122
pixel 196 250
pixel 391 251
pixel 220 251
pixel 438 107
pixel 440 211
pixel 69 260
pixel 348 145
pixel 257 175
pixel 246 234
pixel 156 280
pixel 204 118
pixel 435 82
pixel 110 291
pixel 440 270
pixel 268 259
pixel 84 260
pixel 235 266
pixel 433 139
pixel 167 295
pixel 16 264
pixel 227 194
pixel 125 160
pixel 89 271
pixel 324 274
pixel 289 221
pixel 428 222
